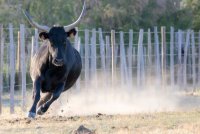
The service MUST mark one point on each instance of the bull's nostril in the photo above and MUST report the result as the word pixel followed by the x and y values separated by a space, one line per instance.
pixel 58 62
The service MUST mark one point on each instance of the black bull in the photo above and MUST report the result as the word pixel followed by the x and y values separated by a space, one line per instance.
pixel 54 69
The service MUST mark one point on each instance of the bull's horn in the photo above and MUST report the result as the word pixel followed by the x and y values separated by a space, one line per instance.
pixel 73 25
pixel 35 24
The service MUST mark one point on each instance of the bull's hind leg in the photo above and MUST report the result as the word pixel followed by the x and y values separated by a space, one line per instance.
pixel 43 108
pixel 44 99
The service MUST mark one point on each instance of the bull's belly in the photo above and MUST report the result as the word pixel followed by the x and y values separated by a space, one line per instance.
pixel 51 79
pixel 48 86
pixel 50 83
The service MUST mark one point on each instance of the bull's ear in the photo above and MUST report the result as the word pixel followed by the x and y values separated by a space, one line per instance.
pixel 44 35
pixel 71 33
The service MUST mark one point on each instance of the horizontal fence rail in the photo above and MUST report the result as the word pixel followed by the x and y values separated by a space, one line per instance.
pixel 166 59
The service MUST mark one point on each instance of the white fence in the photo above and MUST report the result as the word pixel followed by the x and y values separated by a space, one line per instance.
pixel 133 59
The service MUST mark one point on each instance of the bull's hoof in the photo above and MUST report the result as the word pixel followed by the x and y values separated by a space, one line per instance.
pixel 31 115
pixel 40 111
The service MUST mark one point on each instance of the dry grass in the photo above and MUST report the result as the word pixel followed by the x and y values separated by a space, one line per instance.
pixel 142 115
pixel 151 123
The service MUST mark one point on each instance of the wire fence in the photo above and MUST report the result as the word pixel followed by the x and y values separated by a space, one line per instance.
pixel 133 59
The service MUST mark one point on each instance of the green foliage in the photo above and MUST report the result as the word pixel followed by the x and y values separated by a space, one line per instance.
pixel 56 11
pixel 107 14
pixel 193 6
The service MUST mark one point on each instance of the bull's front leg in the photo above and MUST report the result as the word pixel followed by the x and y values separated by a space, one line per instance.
pixel 36 98
pixel 43 108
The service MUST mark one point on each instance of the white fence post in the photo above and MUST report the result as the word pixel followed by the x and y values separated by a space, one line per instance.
pixel 122 74
pixel 1 65
pixel 23 65
pixel 77 46
pixel 172 57
pixel 163 55
pixel 102 55
pixel 149 49
pixel 108 54
pixel 185 59
pixel 130 58
pixel 12 68
pixel 113 65
pixel 123 63
pixel 134 55
pixel 157 57
pixel 18 78
pixel 179 75
pixel 142 71
pixel 94 57
pixel 116 54
pixel 193 61
pixel 7 64
pixel 108 59
pixel 87 57
pixel 102 50
pixel 199 58
pixel 79 49
pixel 140 60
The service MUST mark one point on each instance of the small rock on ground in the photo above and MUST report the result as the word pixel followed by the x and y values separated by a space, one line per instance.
pixel 83 130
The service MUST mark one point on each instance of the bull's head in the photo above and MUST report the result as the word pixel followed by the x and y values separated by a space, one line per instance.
pixel 57 37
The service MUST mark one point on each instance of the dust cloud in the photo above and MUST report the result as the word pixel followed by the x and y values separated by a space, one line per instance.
pixel 101 97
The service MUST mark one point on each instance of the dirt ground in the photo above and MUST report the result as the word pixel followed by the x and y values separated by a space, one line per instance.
pixel 149 113
pixel 146 123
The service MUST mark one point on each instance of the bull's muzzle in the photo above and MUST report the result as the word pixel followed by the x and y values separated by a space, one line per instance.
pixel 58 62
